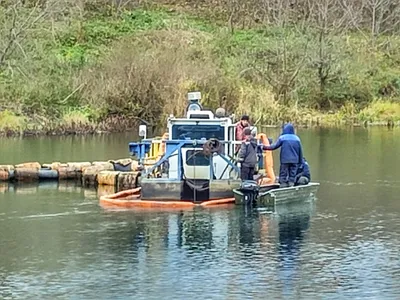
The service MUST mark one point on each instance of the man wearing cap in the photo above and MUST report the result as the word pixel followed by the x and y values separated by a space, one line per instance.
pixel 243 123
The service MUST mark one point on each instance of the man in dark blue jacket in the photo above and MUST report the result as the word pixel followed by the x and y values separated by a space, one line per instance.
pixel 303 176
pixel 291 155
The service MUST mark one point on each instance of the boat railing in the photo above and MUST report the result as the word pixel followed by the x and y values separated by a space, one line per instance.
pixel 157 148
pixel 151 151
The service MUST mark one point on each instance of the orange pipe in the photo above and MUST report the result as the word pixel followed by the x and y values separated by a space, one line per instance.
pixel 268 159
pixel 218 202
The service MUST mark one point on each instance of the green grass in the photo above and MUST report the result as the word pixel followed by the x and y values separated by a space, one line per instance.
pixel 142 62
pixel 11 122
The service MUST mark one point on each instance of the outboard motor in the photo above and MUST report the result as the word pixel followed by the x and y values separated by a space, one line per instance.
pixel 249 189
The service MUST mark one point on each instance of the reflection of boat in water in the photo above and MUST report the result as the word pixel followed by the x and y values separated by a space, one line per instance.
pixel 274 236
pixel 193 165
pixel 293 221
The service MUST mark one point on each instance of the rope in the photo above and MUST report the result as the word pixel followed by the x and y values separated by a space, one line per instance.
pixel 212 146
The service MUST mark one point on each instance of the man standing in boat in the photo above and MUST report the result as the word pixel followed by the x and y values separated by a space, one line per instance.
pixel 291 156
pixel 248 155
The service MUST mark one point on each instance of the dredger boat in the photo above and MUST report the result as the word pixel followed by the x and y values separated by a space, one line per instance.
pixel 193 164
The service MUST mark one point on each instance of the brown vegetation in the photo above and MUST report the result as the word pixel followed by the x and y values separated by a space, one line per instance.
pixel 78 66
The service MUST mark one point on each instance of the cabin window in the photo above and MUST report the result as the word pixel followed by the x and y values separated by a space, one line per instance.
pixel 198 132
pixel 196 158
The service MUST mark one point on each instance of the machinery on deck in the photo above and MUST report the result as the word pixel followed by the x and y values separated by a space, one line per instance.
pixel 195 160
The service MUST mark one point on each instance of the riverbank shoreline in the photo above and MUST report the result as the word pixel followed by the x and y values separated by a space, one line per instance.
pixel 111 124
pixel 89 132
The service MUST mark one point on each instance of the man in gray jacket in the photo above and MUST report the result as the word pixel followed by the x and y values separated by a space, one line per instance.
pixel 248 155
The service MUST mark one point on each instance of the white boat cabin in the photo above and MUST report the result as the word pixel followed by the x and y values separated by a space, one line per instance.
pixel 202 124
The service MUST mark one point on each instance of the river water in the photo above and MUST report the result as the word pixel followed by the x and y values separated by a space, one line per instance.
pixel 57 243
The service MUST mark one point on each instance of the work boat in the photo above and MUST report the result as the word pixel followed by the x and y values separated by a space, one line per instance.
pixel 193 164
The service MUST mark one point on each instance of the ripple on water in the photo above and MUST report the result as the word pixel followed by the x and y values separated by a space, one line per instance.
pixel 210 255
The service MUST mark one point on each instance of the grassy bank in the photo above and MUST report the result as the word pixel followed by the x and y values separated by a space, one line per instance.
pixel 96 68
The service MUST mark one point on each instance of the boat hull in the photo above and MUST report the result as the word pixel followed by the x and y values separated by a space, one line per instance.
pixel 276 195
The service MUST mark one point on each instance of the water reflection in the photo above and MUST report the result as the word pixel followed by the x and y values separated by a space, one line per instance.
pixel 79 250
pixel 292 229
pixel 206 230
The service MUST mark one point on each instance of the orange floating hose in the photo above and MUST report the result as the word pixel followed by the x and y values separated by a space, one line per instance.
pixel 131 199
pixel 218 202
pixel 267 159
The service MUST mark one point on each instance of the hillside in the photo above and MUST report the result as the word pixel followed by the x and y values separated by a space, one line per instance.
pixel 87 65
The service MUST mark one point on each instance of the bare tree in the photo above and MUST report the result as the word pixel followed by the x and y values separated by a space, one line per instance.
pixel 325 26
pixel 15 25
pixel 233 7
pixel 239 12
pixel 281 64
pixel 383 16
pixel 378 17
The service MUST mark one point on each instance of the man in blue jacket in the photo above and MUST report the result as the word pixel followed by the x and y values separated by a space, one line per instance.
pixel 303 176
pixel 290 157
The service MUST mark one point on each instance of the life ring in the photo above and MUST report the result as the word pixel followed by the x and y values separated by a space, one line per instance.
pixel 268 160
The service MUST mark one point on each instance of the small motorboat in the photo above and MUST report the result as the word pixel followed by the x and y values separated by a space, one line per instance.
pixel 251 193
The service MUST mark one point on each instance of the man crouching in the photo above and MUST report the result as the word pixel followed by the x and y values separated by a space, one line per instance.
pixel 303 176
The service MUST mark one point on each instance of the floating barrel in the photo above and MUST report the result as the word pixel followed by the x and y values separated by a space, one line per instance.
pixel 5 171
pixel 27 174
pixel 107 178
pixel 33 172
pixel 104 164
pixel 7 168
pixel 89 176
pixel 47 174
pixel 127 180
pixel 57 165
pixel 29 165
pixel 4 175
pixel 79 166
pixel 65 173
